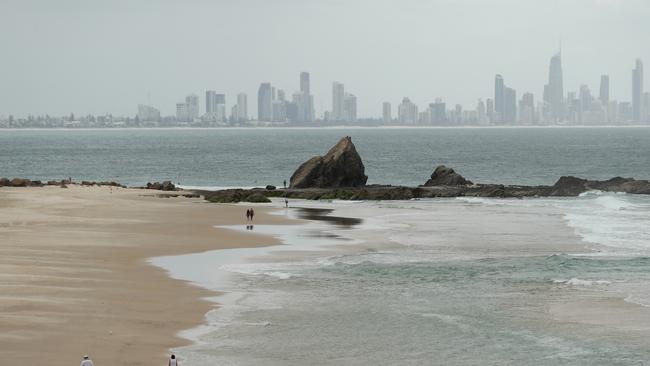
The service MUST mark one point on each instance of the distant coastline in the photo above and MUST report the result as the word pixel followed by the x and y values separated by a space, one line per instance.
pixel 324 127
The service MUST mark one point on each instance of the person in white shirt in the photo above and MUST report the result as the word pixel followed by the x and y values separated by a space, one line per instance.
pixel 173 361
pixel 86 361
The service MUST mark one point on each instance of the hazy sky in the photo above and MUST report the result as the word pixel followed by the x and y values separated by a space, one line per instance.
pixel 87 56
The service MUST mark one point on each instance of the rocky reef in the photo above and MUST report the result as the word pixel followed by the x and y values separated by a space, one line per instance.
pixel 24 182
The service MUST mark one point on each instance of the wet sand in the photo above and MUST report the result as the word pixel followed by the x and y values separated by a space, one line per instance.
pixel 74 277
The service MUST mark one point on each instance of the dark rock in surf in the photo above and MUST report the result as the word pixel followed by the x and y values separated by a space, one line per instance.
pixel 444 176
pixel 164 186
pixel 340 167
pixel 568 186
pixel 21 182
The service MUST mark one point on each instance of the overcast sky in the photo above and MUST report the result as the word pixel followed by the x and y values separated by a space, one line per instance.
pixel 86 56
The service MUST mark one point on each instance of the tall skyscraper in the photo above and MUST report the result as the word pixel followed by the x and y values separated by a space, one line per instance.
pixel 215 105
pixel 192 102
pixel 210 102
pixel 242 106
pixel 554 90
pixel 480 113
pixel 637 91
pixel 510 108
pixel 438 112
pixel 338 93
pixel 350 108
pixel 407 111
pixel 499 98
pixel 181 112
pixel 304 100
pixel 604 89
pixel 304 83
pixel 386 114
pixel 645 116
pixel 527 109
pixel 489 110
pixel 265 102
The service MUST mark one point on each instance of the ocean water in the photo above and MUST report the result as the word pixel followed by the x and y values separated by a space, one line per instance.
pixel 467 281
pixel 433 282
pixel 257 157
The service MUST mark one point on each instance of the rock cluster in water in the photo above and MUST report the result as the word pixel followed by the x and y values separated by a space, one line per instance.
pixel 162 186
pixel 340 174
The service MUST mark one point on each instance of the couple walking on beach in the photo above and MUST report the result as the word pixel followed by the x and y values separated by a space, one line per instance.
pixel 249 214
pixel 88 362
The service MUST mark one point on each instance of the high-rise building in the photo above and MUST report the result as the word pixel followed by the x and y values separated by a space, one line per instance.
pixel 554 90
pixel 407 111
pixel 294 108
pixel 489 107
pixel 304 83
pixel 279 111
pixel 481 116
pixel 181 112
pixel 637 91
pixel 645 117
pixel 148 113
pixel 527 109
pixel 604 89
pixel 387 115
pixel 242 107
pixel 438 112
pixel 338 94
pixel 234 113
pixel 510 108
pixel 499 99
pixel 214 104
pixel 210 102
pixel 192 102
pixel 265 102
pixel 304 100
pixel 350 108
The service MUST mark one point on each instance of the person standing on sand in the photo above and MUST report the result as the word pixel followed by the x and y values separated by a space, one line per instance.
pixel 248 215
pixel 252 214
pixel 86 361
pixel 173 361
pixel 286 203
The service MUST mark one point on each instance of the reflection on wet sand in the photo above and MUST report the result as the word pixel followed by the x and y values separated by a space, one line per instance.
pixel 322 214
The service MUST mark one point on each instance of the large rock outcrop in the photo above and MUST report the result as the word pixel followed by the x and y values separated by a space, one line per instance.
pixel 444 176
pixel 340 167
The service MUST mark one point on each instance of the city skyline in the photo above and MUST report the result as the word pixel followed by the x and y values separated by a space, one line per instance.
pixel 502 108
pixel 155 58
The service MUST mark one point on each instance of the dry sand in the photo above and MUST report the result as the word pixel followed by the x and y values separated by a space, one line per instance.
pixel 74 277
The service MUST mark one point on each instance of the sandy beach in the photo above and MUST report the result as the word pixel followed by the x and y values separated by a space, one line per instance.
pixel 75 278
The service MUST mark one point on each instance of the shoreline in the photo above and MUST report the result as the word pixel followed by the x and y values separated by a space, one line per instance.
pixel 129 313
pixel 77 279
pixel 274 265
